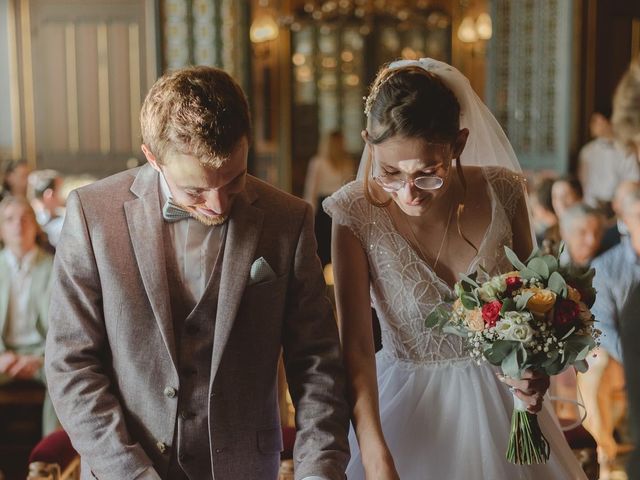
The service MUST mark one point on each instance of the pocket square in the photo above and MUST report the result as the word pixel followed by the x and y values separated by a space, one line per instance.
pixel 261 272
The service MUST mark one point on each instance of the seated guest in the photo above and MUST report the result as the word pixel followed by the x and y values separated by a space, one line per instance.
pixel 626 125
pixel 47 202
pixel 15 178
pixel 603 163
pixel 25 277
pixel 581 229
pixel 544 219
pixel 617 228
pixel 617 276
pixel 566 192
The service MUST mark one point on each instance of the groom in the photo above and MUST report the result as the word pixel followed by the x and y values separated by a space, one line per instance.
pixel 176 287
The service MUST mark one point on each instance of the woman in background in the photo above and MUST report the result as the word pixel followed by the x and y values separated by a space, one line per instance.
pixel 329 170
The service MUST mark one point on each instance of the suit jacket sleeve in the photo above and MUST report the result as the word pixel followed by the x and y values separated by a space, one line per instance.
pixel 313 363
pixel 77 358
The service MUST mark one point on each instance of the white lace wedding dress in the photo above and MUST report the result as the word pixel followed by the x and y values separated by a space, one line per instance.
pixel 444 417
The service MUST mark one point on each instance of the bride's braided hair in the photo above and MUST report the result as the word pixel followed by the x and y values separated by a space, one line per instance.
pixel 411 102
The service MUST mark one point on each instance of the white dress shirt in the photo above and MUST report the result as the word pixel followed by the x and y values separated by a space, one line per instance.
pixel 602 166
pixel 196 247
pixel 22 314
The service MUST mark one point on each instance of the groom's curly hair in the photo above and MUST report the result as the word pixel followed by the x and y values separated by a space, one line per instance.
pixel 198 111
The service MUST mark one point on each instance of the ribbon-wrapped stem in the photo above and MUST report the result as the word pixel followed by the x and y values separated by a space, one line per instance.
pixel 527 444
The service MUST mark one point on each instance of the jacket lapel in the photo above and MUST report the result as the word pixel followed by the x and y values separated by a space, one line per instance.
pixel 245 224
pixel 144 219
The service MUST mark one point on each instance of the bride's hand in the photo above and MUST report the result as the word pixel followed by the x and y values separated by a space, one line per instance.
pixel 530 388
pixel 381 468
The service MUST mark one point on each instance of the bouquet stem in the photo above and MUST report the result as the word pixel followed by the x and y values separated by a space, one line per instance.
pixel 527 444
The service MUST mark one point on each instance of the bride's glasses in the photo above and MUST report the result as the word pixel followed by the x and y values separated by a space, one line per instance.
pixel 391 183
pixel 394 181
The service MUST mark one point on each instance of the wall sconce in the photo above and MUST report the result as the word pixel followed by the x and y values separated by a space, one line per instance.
pixel 471 31
pixel 264 28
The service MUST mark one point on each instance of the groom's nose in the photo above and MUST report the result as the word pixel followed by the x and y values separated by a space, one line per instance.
pixel 217 200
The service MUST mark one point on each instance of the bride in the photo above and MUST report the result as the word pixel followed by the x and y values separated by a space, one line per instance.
pixel 439 192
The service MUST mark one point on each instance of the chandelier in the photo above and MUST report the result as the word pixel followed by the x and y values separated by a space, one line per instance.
pixel 406 13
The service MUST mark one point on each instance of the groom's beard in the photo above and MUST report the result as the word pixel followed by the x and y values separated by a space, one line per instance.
pixel 210 221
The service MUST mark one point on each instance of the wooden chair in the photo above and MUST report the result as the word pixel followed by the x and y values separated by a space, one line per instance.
pixel 603 391
pixel 54 458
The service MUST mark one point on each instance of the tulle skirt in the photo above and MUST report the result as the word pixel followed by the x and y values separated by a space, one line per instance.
pixel 451 421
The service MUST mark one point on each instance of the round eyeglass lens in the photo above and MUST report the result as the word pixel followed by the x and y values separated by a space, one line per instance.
pixel 428 183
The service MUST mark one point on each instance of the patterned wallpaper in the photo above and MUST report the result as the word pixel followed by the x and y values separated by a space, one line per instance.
pixel 530 77
pixel 206 32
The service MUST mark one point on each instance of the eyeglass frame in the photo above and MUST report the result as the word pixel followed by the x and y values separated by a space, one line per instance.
pixel 376 178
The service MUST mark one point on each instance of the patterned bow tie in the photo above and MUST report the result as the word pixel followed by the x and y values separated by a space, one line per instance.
pixel 172 212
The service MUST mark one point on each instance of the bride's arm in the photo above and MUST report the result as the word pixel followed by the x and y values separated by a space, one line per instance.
pixel 533 386
pixel 521 227
pixel 351 275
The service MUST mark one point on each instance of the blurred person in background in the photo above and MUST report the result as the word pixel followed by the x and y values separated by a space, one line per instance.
pixel 25 279
pixel 581 229
pixel 329 170
pixel 48 202
pixel 544 219
pixel 566 191
pixel 15 178
pixel 616 227
pixel 626 127
pixel 603 163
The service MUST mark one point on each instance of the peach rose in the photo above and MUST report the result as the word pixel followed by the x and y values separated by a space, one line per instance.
pixel 474 320
pixel 542 301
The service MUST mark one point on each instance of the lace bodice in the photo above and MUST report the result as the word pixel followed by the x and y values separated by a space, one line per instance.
pixel 404 289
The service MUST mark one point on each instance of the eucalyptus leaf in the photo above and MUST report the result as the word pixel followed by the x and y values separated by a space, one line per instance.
pixel 498 350
pixel 510 365
pixel 469 301
pixel 433 319
pixel 467 279
pixel 539 266
pixel 507 305
pixel 529 274
pixel 523 299
pixel 566 335
pixel 552 263
pixel 557 284
pixel 453 330
pixel 513 258
pixel 535 253
pixel 581 366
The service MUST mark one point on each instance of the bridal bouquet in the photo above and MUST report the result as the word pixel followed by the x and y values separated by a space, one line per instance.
pixel 536 317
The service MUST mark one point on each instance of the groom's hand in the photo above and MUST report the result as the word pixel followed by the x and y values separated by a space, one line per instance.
pixel 531 388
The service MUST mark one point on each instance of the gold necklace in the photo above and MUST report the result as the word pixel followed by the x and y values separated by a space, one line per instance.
pixel 417 244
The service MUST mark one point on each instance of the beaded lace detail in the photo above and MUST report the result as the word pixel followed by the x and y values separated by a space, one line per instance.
pixel 404 288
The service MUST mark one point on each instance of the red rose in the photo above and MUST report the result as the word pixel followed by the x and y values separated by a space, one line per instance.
pixel 491 312
pixel 513 284
pixel 566 311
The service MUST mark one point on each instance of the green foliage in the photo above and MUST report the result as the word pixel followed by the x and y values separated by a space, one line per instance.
pixel 557 284
pixel 513 258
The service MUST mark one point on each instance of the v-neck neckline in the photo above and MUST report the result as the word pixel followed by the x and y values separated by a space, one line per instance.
pixel 475 257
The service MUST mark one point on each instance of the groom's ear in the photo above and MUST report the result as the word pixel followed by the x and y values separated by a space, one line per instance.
pixel 151 158
pixel 460 142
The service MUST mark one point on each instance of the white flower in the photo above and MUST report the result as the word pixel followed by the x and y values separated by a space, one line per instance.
pixel 521 333
pixel 515 326
pixel 488 291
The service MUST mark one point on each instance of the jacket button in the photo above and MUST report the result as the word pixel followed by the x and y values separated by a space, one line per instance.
pixel 219 450
pixel 170 392
pixel 162 447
